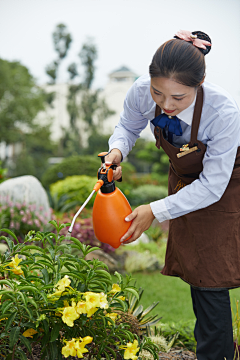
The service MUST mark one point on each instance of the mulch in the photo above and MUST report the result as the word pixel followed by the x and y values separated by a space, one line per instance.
pixel 177 354
pixel 173 354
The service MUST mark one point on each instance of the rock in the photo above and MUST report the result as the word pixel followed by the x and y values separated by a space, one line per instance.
pixel 104 257
pixel 142 239
pixel 25 190
pixel 136 261
pixel 3 248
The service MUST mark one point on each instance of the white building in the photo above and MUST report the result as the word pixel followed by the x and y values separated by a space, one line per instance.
pixel 114 94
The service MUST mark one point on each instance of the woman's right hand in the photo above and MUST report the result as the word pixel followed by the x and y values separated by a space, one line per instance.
pixel 115 157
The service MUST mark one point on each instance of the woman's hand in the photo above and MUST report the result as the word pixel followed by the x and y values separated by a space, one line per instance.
pixel 115 157
pixel 142 218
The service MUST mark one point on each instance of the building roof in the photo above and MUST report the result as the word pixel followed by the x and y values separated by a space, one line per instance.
pixel 122 72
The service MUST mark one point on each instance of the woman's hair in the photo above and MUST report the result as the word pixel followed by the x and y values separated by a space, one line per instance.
pixel 181 60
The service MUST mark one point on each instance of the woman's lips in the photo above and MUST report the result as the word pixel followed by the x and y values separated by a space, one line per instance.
pixel 168 111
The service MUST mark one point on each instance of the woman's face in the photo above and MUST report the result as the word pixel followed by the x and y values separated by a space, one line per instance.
pixel 171 96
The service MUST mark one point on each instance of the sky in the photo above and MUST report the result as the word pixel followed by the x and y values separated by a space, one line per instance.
pixel 126 32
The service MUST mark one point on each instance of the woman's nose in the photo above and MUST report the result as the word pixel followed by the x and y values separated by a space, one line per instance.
pixel 167 104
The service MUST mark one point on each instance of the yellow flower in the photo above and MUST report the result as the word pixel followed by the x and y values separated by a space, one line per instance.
pixel 69 315
pixel 130 350
pixel 115 288
pixel 121 297
pixel 69 349
pixel 15 261
pixel 76 347
pixel 103 301
pixel 63 283
pixel 65 303
pixel 56 294
pixel 81 307
pixel 92 300
pixel 14 264
pixel 87 340
pixel 112 316
pixel 17 270
pixel 91 311
pixel 80 347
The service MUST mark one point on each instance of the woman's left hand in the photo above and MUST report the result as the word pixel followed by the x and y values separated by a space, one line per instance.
pixel 142 218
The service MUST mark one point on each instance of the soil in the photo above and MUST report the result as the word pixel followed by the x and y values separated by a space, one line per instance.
pixel 177 354
pixel 173 354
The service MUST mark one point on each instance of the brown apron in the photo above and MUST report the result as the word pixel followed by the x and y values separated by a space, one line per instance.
pixel 203 246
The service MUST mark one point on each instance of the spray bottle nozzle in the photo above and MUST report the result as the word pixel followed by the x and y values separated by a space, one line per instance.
pixel 98 185
pixel 102 156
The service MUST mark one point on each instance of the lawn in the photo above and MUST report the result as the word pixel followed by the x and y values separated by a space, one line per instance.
pixel 173 295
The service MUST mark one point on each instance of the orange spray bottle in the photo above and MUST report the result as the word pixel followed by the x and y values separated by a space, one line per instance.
pixel 110 207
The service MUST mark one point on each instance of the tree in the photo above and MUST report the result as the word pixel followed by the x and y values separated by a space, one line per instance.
pixel 20 98
pixel 62 40
pixel 91 108
pixel 37 148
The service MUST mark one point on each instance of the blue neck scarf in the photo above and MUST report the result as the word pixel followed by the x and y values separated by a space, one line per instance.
pixel 172 124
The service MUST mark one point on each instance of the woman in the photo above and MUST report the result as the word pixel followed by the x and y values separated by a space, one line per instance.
pixel 198 126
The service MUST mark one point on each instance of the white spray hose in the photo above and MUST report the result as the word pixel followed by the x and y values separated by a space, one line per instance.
pixel 81 208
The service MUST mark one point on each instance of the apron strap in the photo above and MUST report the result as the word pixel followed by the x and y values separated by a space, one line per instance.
pixel 197 115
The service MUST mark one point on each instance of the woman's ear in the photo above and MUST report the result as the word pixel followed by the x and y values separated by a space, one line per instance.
pixel 202 81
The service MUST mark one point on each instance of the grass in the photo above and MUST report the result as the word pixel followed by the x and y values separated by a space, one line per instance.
pixel 173 294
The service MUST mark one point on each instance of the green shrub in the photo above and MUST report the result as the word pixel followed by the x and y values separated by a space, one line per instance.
pixel 78 187
pixel 63 304
pixel 74 165
pixel 146 193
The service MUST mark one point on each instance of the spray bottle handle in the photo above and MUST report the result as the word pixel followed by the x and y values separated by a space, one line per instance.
pixel 113 166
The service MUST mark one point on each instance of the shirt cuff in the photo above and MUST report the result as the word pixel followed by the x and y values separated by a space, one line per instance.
pixel 160 211
pixel 120 146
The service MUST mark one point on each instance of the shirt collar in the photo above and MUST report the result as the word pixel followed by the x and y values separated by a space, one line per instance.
pixel 187 114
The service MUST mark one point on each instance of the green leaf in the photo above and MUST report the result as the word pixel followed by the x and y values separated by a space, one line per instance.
pixel 26 343
pixel 55 332
pixel 78 243
pixel 6 282
pixel 52 252
pixel 10 243
pixel 92 249
pixel 64 225
pixel 122 303
pixel 138 310
pixel 46 263
pixel 21 354
pixel 55 224
pixel 85 263
pixel 10 320
pixel 53 350
pixel 45 275
pixel 133 291
pixel 9 232
pixel 33 247
pixel 31 301
pixel 34 290
pixel 108 357
pixel 119 276
pixel 103 273
pixel 23 297
pixel 5 306
pixel 62 248
pixel 14 336
pixel 112 352
pixel 149 308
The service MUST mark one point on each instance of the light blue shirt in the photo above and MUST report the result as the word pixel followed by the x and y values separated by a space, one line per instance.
pixel 219 129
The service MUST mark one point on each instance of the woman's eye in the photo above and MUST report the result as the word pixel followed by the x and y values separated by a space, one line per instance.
pixel 156 93
pixel 178 99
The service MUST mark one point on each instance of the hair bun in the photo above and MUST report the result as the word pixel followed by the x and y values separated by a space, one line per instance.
pixel 201 35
